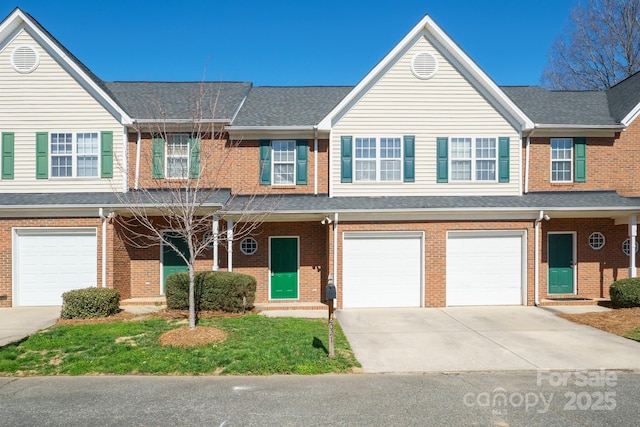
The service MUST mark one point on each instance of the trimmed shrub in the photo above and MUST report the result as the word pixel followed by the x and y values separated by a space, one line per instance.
pixel 214 290
pixel 90 302
pixel 625 293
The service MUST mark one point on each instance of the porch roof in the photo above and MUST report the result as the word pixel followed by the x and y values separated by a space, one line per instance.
pixel 533 201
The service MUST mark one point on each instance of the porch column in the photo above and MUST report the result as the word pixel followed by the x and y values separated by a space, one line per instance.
pixel 215 231
pixel 633 233
pixel 229 245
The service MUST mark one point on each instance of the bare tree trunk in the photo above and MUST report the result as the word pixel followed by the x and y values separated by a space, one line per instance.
pixel 192 299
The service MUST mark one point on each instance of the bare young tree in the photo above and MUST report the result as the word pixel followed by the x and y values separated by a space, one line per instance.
pixel 599 47
pixel 182 202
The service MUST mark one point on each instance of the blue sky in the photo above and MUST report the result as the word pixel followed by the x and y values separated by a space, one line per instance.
pixel 300 42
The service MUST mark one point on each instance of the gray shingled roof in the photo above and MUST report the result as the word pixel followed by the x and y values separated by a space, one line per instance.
pixel 562 107
pixel 101 200
pixel 289 106
pixel 532 201
pixel 178 100
pixel 623 97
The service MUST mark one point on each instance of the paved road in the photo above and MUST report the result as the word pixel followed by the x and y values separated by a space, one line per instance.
pixel 556 398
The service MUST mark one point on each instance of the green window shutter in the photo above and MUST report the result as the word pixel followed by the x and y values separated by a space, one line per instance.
pixel 409 158
pixel 442 173
pixel 157 154
pixel 7 155
pixel 106 154
pixel 346 163
pixel 194 166
pixel 42 155
pixel 580 159
pixel 265 162
pixel 503 159
pixel 302 155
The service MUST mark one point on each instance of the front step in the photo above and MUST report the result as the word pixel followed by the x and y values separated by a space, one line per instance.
pixel 575 300
pixel 269 306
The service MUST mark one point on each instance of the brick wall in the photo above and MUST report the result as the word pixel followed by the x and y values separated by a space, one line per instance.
pixel 612 164
pixel 596 269
pixel 6 250
pixel 435 250
pixel 232 164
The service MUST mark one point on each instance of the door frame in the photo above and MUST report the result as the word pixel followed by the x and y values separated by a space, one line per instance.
pixel 574 256
pixel 162 245
pixel 297 270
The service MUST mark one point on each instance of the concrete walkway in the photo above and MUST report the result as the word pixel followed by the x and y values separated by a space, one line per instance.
pixel 480 339
pixel 19 322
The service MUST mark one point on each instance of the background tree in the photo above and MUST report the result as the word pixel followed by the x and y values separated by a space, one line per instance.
pixel 599 47
pixel 187 204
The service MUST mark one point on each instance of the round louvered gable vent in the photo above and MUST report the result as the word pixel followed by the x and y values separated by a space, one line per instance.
pixel 424 65
pixel 24 59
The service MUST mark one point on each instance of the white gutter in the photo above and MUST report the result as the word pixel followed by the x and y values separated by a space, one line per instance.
pixel 335 250
pixel 536 259
pixel 565 126
pixel 136 183
pixel 526 164
pixel 125 156
pixel 104 247
pixel 182 121
pixel 315 160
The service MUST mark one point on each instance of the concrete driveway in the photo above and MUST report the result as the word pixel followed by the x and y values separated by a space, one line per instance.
pixel 480 339
pixel 19 322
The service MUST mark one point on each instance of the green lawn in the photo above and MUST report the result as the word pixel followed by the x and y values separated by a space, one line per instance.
pixel 633 334
pixel 255 345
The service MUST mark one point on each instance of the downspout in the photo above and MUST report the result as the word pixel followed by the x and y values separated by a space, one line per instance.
pixel 536 260
pixel 335 251
pixel 104 247
pixel 315 160
pixel 526 163
pixel 215 231
pixel 229 245
pixel 633 233
pixel 125 156
pixel 136 184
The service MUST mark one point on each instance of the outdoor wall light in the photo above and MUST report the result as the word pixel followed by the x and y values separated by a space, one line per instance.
pixel 326 221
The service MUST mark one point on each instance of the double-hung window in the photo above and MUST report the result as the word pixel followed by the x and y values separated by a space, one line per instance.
pixel 473 159
pixel 74 155
pixel 177 155
pixel 561 159
pixel 378 159
pixel 284 162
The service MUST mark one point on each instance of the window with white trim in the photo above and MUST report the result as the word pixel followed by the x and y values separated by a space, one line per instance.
pixel 177 158
pixel 561 159
pixel 378 159
pixel 284 162
pixel 474 159
pixel 74 155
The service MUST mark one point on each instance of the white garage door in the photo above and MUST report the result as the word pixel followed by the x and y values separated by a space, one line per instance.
pixel 52 261
pixel 485 268
pixel 382 270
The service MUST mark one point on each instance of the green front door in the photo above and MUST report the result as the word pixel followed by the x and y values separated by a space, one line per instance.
pixel 561 263
pixel 284 267
pixel 171 261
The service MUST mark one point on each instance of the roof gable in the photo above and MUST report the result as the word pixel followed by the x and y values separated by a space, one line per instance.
pixel 19 20
pixel 623 99
pixel 428 28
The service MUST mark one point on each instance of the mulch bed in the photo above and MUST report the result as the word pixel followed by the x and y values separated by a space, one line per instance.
pixel 618 321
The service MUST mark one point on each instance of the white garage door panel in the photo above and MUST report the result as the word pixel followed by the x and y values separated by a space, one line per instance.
pixel 51 263
pixel 382 271
pixel 484 270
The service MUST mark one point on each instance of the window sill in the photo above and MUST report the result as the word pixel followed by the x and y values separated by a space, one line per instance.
pixel 283 186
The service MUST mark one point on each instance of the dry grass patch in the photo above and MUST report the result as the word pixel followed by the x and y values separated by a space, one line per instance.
pixel 185 337
pixel 619 321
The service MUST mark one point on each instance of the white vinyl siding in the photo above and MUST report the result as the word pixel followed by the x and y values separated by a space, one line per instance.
pixel 443 106
pixel 51 100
